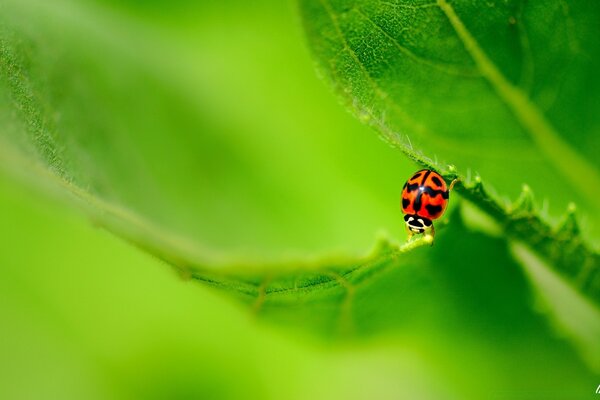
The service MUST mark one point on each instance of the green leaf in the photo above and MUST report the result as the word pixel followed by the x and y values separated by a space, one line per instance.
pixel 429 317
pixel 504 89
pixel 478 85
pixel 152 125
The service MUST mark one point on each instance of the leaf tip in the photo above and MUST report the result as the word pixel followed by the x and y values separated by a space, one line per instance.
pixel 478 185
pixel 451 173
pixel 525 203
pixel 569 227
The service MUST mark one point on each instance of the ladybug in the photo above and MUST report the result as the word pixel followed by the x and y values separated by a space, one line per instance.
pixel 424 198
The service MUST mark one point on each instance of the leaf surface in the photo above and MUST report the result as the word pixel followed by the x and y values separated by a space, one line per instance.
pixel 473 83
pixel 503 89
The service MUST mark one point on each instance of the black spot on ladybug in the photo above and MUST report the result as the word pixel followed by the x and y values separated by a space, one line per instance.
pixel 405 202
pixel 412 187
pixel 426 175
pixel 417 203
pixel 416 176
pixel 407 217
pixel 432 192
pixel 437 181
pixel 433 209
pixel 426 221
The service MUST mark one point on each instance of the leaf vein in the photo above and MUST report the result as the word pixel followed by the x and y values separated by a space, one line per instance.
pixel 445 68
pixel 571 165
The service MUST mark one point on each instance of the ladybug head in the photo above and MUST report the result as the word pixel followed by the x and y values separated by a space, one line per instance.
pixel 417 224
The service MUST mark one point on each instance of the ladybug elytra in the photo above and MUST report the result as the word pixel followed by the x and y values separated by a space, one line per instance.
pixel 424 198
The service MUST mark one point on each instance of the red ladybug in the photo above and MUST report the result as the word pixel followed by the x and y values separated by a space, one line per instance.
pixel 424 198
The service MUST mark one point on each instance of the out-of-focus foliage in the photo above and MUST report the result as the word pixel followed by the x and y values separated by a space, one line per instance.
pixel 205 119
pixel 86 316
pixel 199 133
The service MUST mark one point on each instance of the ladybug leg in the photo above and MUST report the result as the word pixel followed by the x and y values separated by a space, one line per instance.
pixel 431 233
pixel 409 233
pixel 453 183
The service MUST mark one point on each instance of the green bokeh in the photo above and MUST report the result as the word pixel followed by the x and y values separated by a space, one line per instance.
pixel 209 121
pixel 85 315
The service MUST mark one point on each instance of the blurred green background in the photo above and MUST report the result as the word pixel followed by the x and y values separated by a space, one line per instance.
pixel 208 120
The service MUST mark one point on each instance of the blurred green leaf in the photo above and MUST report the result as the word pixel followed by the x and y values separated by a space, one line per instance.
pixel 445 298
pixel 479 85
pixel 85 315
pixel 424 324
pixel 202 133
